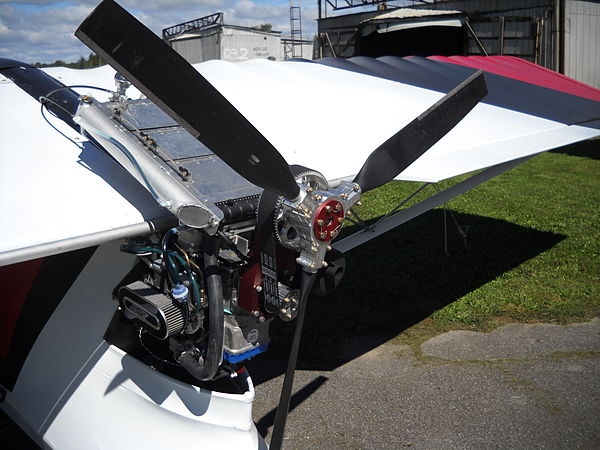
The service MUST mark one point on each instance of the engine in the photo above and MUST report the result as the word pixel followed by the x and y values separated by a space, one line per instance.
pixel 201 304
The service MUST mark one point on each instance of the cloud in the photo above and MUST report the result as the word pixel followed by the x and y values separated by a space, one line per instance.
pixel 42 30
pixel 44 35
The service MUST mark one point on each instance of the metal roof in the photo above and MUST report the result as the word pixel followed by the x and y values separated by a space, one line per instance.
pixel 412 13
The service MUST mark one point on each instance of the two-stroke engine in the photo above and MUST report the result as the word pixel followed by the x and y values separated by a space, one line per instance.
pixel 202 298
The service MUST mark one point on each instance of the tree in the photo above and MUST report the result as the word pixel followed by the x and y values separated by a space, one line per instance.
pixel 264 26
pixel 92 60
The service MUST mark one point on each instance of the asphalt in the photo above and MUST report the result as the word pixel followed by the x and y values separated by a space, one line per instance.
pixel 520 386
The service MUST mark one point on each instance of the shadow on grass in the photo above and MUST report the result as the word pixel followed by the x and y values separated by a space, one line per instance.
pixel 587 149
pixel 397 280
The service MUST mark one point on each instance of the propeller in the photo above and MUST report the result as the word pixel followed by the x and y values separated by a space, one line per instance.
pixel 184 94
pixel 178 89
pixel 402 149
pixel 383 165
pixel 306 282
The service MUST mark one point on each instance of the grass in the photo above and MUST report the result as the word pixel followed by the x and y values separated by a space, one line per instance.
pixel 533 256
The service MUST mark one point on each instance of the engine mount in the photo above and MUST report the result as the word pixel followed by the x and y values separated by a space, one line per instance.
pixel 309 224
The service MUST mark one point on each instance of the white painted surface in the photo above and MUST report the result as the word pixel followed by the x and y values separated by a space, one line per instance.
pixel 128 405
pixel 349 115
pixel 76 391
pixel 317 116
pixel 50 189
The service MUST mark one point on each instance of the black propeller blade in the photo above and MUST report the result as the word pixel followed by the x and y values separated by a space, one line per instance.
pixel 178 89
pixel 403 148
pixel 306 284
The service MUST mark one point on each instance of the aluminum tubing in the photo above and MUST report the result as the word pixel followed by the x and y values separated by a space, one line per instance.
pixel 96 120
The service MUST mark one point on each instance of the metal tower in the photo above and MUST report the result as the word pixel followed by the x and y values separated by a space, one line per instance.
pixel 296 28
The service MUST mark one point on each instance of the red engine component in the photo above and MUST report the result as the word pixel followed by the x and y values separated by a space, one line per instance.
pixel 328 220
pixel 249 295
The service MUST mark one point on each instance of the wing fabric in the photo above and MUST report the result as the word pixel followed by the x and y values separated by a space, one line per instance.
pixel 340 115
pixel 171 82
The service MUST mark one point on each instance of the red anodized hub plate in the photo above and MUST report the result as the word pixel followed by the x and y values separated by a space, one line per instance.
pixel 328 220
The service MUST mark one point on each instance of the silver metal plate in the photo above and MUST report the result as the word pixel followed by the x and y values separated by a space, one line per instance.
pixel 217 181
pixel 210 176
pixel 143 114
pixel 178 143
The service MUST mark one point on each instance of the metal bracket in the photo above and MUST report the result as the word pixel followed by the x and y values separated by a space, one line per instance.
pixel 390 222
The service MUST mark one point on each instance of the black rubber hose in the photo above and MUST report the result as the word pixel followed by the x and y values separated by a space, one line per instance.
pixel 206 368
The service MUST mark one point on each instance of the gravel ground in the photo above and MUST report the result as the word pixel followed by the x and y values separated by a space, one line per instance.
pixel 520 386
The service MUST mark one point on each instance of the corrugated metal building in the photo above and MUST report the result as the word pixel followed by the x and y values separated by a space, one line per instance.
pixel 209 38
pixel 563 35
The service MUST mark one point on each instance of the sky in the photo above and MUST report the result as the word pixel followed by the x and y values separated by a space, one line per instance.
pixel 42 30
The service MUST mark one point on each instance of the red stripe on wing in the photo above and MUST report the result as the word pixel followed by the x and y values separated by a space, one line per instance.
pixel 522 70
pixel 15 281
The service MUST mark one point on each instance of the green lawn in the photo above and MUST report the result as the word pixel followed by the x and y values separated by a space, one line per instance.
pixel 533 255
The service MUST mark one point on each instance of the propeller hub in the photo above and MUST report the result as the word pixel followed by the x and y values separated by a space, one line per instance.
pixel 308 225
pixel 328 219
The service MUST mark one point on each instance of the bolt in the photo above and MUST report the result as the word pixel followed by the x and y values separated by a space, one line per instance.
pixel 258 288
pixel 329 248
pixel 318 197
pixel 288 315
pixel 344 196
pixel 309 189
pixel 338 207
pixel 86 99
pixel 286 300
pixel 256 313
pixel 323 235
pixel 334 233
pixel 356 188
pixel 261 319
pixel 328 208
pixel 340 219
pixel 320 222
pixel 324 264
pixel 359 203
pixel 313 249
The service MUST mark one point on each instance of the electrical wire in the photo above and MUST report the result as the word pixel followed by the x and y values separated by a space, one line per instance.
pixel 187 270
pixel 131 158
pixel 171 268
pixel 43 105
pixel 184 253
pixel 44 100
pixel 79 86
